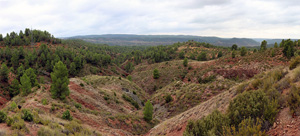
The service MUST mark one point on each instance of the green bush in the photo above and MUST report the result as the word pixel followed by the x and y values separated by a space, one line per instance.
pixel 168 98
pixel 155 74
pixel 16 122
pixel 76 129
pixel 67 116
pixel 45 131
pixel 248 127
pixel 3 116
pixel 44 101
pixel 78 105
pixel 254 104
pixel 212 124
pixel 27 115
pixel 207 79
pixel 129 99
pixel 294 100
pixel 9 121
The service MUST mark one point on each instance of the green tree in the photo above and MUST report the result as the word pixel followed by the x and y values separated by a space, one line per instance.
pixel 1 37
pixel 234 47
pixel 233 54
pixel 129 67
pixel 25 85
pixel 181 55
pixel 220 54
pixel 59 87
pixel 148 111
pixel 243 51
pixel 185 62
pixel 73 70
pixel 66 115
pixel 4 72
pixel 20 72
pixel 276 45
pixel 32 76
pixel 15 60
pixel 155 74
pixel 202 56
pixel 14 88
pixel 273 53
pixel 263 45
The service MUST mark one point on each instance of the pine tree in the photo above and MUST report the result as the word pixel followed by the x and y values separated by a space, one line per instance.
pixel 243 51
pixel 14 88
pixel 148 111
pixel 233 54
pixel 25 85
pixel 32 76
pixel 15 60
pixel 220 54
pixel 263 45
pixel 155 74
pixel 20 72
pixel 59 87
pixel 185 62
pixel 73 71
pixel 276 45
pixel 4 73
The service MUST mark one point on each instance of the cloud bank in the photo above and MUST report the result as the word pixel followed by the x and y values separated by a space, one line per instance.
pixel 223 18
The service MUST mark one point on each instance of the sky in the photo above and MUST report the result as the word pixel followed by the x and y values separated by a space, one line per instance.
pixel 221 18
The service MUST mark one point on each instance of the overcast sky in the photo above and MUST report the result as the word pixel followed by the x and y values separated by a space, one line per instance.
pixel 222 18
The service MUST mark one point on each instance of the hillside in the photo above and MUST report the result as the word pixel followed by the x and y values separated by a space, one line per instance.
pixel 104 90
pixel 147 40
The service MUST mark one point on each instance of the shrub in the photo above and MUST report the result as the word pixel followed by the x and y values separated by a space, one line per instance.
pixel 294 100
pixel 252 104
pixel 45 131
pixel 129 78
pixel 44 101
pixel 9 121
pixel 81 84
pixel 241 88
pixel 155 74
pixel 168 98
pixel 76 129
pixel 16 122
pixel 206 79
pixel 185 62
pixel 27 115
pixel 13 106
pixel 129 99
pixel 66 115
pixel 248 127
pixel 210 125
pixel 3 116
pixel 202 56
pixel 78 105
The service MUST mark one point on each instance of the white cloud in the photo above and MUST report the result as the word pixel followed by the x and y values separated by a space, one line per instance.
pixel 223 18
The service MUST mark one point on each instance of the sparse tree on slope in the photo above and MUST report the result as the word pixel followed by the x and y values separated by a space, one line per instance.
pixel 14 88
pixel 155 74
pixel 59 87
pixel 263 45
pixel 185 62
pixel 148 111
pixel 243 51
pixel 25 84
pixel 4 72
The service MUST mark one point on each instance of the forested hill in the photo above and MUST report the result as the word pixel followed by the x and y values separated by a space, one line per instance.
pixel 128 39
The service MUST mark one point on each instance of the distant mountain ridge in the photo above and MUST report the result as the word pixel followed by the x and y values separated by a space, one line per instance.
pixel 133 40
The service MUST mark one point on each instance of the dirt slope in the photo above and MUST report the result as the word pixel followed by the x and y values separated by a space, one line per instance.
pixel 176 125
